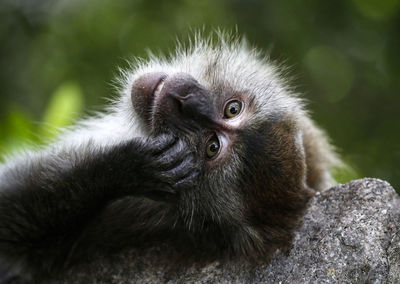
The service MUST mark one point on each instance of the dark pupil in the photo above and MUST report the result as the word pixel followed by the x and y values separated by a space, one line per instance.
pixel 213 148
pixel 233 110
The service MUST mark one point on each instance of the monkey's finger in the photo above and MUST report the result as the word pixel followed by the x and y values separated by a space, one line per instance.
pixel 176 149
pixel 161 143
pixel 169 162
pixel 183 169
pixel 187 180
pixel 174 154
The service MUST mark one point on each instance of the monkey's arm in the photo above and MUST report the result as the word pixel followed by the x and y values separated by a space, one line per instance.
pixel 46 202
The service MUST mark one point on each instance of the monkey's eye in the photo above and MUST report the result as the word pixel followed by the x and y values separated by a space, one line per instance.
pixel 213 147
pixel 232 109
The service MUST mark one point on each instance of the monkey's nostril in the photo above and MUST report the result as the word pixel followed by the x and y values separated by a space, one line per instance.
pixel 174 102
pixel 192 104
pixel 180 100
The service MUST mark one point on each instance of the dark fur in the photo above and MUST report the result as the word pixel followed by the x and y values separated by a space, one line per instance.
pixel 48 206
pixel 64 205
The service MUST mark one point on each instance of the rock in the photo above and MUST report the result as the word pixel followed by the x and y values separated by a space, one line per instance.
pixel 350 234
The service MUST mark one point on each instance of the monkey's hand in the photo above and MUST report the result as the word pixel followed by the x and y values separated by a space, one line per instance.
pixel 167 166
pixel 45 210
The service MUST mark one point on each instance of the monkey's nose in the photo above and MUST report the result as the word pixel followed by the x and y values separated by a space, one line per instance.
pixel 190 104
pixel 196 105
pixel 176 99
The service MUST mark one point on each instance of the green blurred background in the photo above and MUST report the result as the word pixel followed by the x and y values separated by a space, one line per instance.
pixel 59 58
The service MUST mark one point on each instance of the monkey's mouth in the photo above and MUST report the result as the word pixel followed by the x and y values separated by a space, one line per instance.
pixel 144 92
pixel 159 86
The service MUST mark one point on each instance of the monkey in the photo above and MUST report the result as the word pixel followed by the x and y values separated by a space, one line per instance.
pixel 210 147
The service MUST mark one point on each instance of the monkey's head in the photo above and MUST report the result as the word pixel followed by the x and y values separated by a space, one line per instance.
pixel 242 121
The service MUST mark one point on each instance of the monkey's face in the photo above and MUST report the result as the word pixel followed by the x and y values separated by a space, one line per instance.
pixel 178 103
pixel 234 114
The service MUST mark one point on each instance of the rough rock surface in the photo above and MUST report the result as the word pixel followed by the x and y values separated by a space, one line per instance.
pixel 350 234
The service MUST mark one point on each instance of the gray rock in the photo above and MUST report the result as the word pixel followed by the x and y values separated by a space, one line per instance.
pixel 350 234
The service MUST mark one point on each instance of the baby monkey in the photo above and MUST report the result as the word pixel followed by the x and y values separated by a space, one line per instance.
pixel 210 149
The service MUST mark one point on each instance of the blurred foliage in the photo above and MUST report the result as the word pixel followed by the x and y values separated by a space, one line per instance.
pixel 58 57
pixel 64 108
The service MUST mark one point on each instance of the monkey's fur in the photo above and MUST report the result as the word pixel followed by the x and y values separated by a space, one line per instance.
pixel 145 171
